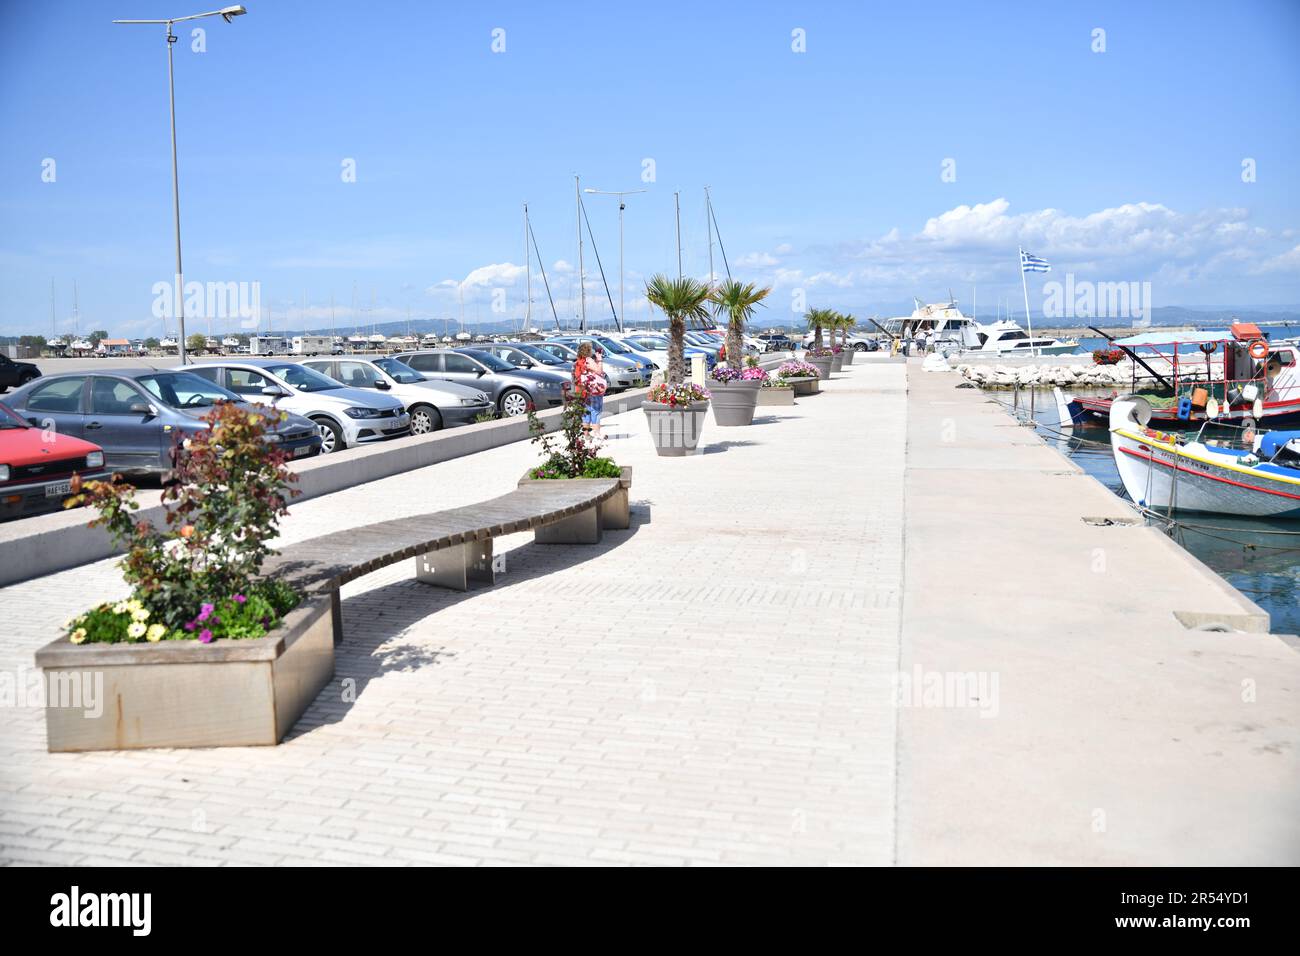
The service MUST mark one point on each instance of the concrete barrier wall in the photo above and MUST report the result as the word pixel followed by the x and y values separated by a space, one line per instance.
pixel 31 547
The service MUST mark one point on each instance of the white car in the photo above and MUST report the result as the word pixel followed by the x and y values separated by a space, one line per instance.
pixel 431 405
pixel 345 416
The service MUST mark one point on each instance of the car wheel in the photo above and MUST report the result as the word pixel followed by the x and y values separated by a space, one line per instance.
pixel 859 346
pixel 425 419
pixel 331 438
pixel 514 402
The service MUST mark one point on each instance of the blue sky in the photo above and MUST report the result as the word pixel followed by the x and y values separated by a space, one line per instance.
pixel 825 166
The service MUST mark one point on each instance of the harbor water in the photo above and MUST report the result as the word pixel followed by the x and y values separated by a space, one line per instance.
pixel 1260 558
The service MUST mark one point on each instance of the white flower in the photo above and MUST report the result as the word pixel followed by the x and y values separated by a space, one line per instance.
pixel 78 635
pixel 136 630
pixel 140 614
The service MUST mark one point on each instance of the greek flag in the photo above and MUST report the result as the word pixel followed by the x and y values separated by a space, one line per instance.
pixel 1030 263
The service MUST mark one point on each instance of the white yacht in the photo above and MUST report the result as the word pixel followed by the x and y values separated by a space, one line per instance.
pixel 948 330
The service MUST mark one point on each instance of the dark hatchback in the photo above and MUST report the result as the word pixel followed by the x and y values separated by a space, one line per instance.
pixel 139 415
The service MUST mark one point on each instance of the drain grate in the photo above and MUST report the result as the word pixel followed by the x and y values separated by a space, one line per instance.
pixel 1100 522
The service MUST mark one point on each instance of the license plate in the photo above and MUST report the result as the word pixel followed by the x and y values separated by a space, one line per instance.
pixel 302 451
pixel 395 428
pixel 58 489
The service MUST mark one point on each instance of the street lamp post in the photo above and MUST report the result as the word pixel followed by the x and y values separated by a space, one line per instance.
pixel 227 14
pixel 621 206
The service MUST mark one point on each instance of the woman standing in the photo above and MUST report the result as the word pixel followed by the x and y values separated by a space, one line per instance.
pixel 589 384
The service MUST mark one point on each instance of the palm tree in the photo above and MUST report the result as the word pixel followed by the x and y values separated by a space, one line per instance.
pixel 849 322
pixel 819 319
pixel 679 299
pixel 738 300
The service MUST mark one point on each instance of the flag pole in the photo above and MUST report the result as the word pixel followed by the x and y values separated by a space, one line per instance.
pixel 1025 289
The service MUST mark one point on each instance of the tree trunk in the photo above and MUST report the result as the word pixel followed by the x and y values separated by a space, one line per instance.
pixel 676 372
pixel 735 344
pixel 817 337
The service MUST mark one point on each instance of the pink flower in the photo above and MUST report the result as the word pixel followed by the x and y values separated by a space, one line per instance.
pixel 205 636
pixel 240 599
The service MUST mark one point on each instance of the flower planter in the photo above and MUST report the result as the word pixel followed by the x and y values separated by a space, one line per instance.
pixel 848 355
pixel 822 363
pixel 804 386
pixel 733 402
pixel 187 694
pixel 614 515
pixel 837 362
pixel 675 430
pixel 777 395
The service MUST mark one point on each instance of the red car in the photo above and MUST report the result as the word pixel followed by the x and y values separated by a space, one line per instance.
pixel 37 465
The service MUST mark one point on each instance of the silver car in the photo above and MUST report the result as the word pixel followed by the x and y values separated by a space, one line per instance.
pixel 345 416
pixel 512 389
pixel 431 405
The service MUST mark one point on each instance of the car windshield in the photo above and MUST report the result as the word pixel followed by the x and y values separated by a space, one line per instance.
pixel 651 343
pixel 618 348
pixel 8 419
pixel 543 356
pixel 185 390
pixel 488 359
pixel 400 372
pixel 303 378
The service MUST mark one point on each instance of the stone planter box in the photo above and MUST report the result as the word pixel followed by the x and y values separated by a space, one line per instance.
pixel 821 363
pixel 805 386
pixel 733 402
pixel 849 354
pixel 675 431
pixel 777 395
pixel 837 362
pixel 613 514
pixel 187 694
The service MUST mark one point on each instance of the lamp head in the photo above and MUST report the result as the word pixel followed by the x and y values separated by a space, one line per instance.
pixel 230 13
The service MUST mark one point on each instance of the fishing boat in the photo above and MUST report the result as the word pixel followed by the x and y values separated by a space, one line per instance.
pixel 1167 472
pixel 1188 368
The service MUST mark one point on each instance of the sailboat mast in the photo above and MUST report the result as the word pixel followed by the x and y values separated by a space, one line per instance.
pixel 528 275
pixel 582 277
pixel 708 222
pixel 677 205
pixel 54 322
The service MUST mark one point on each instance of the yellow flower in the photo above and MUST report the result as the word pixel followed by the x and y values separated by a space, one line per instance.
pixel 136 630
pixel 120 607
pixel 140 614
pixel 78 635
pixel 133 605
pixel 155 632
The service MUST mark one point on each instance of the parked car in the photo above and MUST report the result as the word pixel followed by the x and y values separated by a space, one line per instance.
pixel 16 374
pixel 777 342
pixel 858 341
pixel 655 347
pixel 527 355
pixel 139 415
pixel 623 368
pixel 345 417
pixel 511 389
pixel 37 465
pixel 431 405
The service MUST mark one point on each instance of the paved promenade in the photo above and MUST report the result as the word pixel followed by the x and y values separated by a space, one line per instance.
pixel 716 685
pixel 710 686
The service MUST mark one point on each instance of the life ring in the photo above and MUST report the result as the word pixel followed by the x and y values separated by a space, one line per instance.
pixel 1259 349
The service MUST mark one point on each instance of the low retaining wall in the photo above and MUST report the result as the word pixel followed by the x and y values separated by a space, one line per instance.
pixel 32 547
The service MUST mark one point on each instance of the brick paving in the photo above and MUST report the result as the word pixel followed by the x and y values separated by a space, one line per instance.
pixel 708 687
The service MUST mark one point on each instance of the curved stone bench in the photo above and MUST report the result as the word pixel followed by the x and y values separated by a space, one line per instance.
pixel 451 548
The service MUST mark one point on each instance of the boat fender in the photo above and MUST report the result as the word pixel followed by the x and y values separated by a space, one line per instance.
pixel 1259 349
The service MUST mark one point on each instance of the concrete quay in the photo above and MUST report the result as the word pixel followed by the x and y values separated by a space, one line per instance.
pixel 742 677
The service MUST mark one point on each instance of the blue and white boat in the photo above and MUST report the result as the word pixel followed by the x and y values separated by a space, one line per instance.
pixel 1168 472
